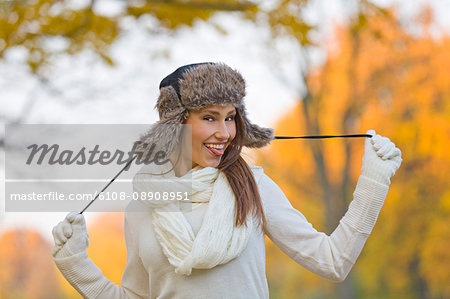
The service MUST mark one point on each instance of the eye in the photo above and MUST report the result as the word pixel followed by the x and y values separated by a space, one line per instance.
pixel 208 118
pixel 231 118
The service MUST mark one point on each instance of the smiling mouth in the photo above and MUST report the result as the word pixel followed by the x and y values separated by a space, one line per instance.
pixel 215 149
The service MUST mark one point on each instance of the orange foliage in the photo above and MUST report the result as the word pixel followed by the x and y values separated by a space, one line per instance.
pixel 26 266
pixel 107 245
pixel 380 78
pixel 27 269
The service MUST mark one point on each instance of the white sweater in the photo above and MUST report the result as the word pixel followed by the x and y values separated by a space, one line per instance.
pixel 148 273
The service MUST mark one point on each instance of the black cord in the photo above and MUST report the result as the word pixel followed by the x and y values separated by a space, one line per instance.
pixel 113 179
pixel 323 136
pixel 276 137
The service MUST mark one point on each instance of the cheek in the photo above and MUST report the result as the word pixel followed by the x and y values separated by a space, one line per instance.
pixel 198 137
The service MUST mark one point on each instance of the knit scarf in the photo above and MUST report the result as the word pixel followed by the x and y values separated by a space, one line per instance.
pixel 218 241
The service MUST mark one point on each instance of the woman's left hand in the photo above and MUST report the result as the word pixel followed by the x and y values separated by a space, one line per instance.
pixel 381 158
pixel 71 236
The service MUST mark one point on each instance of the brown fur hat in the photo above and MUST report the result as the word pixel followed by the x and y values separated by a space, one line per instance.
pixel 192 87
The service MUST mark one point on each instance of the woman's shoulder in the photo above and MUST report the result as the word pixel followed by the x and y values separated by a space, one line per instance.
pixel 256 169
pixel 264 182
pixel 258 173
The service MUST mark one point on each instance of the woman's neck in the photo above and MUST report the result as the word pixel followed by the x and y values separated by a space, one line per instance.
pixel 181 166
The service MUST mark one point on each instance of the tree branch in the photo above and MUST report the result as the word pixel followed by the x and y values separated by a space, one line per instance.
pixel 213 5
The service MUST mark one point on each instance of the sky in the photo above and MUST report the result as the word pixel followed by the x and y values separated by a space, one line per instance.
pixel 84 90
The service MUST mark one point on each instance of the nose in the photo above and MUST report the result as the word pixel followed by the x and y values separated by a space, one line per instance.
pixel 222 132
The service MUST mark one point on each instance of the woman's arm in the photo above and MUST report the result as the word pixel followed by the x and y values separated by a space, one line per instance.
pixel 332 256
pixel 72 260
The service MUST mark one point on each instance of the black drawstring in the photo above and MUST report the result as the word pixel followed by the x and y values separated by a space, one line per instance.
pixel 112 180
pixel 323 136
pixel 276 137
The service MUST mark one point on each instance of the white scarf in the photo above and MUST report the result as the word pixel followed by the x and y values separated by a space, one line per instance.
pixel 218 240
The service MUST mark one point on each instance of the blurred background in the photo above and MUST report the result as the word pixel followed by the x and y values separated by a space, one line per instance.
pixel 312 67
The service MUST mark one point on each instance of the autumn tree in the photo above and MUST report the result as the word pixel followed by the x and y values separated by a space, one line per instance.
pixel 334 176
pixel 26 266
pixel 34 25
pixel 380 77
pixel 27 269
pixel 46 30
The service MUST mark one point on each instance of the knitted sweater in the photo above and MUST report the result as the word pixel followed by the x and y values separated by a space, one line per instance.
pixel 148 274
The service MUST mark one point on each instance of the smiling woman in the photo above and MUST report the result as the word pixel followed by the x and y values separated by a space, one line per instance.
pixel 213 245
pixel 213 130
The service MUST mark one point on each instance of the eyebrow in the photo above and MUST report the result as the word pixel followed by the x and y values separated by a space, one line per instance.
pixel 217 113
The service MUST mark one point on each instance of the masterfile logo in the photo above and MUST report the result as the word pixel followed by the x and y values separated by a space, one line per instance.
pixel 63 167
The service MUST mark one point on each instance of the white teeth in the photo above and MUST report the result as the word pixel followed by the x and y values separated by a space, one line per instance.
pixel 218 146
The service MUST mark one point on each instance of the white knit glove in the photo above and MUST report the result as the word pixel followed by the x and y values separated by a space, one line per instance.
pixel 381 158
pixel 71 236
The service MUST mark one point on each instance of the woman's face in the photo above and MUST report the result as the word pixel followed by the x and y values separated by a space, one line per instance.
pixel 213 129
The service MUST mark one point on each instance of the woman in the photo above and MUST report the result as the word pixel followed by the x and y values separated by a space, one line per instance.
pixel 212 246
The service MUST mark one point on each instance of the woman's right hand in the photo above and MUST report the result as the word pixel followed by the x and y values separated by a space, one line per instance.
pixel 381 158
pixel 71 236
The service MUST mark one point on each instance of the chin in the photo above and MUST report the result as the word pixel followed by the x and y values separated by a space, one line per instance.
pixel 214 164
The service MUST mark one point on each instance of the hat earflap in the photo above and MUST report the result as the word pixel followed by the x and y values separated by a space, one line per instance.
pixel 163 136
pixel 255 136
pixel 168 104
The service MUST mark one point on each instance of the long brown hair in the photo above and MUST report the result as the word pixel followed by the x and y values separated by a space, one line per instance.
pixel 241 179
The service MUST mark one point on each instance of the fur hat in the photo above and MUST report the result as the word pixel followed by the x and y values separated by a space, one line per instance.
pixel 192 87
